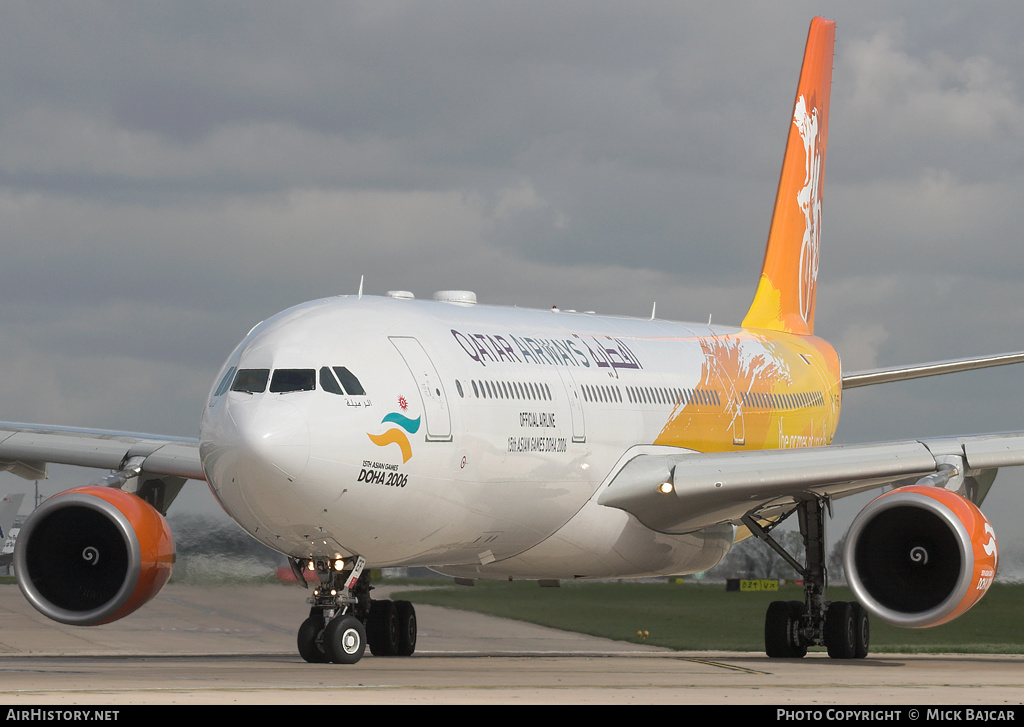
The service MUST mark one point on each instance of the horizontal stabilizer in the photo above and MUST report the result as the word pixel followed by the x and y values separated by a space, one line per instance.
pixel 934 368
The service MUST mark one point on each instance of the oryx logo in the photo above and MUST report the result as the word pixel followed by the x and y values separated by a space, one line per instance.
pixel 395 435
pixel 990 546
pixel 809 200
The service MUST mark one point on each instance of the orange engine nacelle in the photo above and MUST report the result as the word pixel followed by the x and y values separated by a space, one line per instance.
pixel 920 556
pixel 92 555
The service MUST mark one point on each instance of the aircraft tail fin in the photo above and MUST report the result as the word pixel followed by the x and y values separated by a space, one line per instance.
pixel 9 507
pixel 784 300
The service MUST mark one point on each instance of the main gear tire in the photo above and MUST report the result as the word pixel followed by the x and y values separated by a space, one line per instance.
pixel 406 628
pixel 781 630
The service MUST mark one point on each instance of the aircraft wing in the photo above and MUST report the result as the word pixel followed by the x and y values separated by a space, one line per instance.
pixel 25 449
pixel 677 492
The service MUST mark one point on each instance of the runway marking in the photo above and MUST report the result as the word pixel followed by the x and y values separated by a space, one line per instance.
pixel 719 664
pixel 490 688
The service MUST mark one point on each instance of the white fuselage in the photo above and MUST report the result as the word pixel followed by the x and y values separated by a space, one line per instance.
pixel 476 438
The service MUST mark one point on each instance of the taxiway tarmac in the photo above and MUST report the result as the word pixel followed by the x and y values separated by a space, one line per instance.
pixel 236 645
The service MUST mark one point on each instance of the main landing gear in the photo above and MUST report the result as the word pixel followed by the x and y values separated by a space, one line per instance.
pixel 791 626
pixel 344 620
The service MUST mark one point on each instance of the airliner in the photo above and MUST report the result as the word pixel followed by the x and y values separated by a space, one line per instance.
pixel 9 507
pixel 485 442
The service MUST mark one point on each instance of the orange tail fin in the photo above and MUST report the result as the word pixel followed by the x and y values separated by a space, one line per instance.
pixel 784 300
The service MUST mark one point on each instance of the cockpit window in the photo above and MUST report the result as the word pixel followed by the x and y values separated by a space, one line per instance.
pixel 349 384
pixel 349 381
pixel 225 382
pixel 328 382
pixel 251 381
pixel 286 380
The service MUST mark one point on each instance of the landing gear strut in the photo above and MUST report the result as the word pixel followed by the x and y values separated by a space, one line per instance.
pixel 791 626
pixel 344 620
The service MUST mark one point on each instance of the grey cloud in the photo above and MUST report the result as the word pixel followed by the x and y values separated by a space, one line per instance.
pixel 170 174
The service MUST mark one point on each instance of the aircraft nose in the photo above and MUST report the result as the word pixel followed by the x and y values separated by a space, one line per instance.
pixel 254 450
pixel 272 434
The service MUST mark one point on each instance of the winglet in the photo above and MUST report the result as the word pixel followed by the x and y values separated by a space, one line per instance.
pixel 784 300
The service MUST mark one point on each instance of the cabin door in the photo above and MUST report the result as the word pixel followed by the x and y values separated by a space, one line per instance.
pixel 429 385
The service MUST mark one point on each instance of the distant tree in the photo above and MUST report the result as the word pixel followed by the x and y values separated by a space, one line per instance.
pixel 753 558
pixel 836 571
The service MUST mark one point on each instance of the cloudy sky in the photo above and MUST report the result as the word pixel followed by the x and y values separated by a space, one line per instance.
pixel 173 173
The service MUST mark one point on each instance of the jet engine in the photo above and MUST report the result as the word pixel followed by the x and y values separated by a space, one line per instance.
pixel 92 555
pixel 920 556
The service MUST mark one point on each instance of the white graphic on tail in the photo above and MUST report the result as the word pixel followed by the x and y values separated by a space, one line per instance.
pixel 809 199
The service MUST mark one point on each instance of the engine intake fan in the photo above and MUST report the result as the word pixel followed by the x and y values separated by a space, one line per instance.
pixel 920 556
pixel 92 555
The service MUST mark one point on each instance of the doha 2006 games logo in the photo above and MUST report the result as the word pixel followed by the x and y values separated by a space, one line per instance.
pixel 396 435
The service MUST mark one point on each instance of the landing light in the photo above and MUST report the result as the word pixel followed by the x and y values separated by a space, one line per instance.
pixel 665 488
pixel 311 565
pixel 339 565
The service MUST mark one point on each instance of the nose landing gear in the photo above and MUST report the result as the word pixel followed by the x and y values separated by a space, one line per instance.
pixel 344 620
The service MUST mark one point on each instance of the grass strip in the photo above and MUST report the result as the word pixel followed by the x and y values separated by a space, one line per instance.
pixel 690 616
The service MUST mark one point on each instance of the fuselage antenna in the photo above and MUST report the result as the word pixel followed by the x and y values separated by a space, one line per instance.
pixel 654 308
pixel 360 287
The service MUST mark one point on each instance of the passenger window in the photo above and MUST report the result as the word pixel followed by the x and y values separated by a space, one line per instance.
pixel 349 381
pixel 328 382
pixel 286 380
